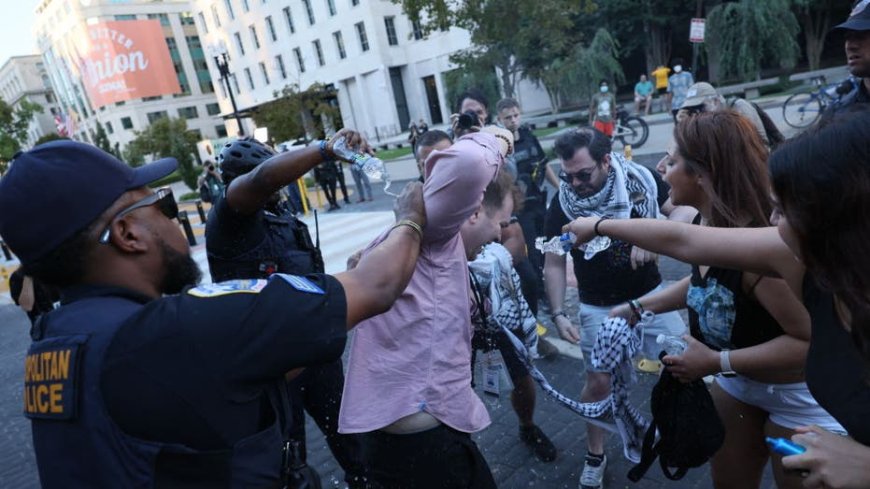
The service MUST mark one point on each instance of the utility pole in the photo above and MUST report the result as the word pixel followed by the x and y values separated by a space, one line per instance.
pixel 223 67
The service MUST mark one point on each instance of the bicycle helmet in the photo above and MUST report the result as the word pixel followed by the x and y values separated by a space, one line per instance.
pixel 241 156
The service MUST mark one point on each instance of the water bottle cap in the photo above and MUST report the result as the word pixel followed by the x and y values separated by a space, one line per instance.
pixel 661 338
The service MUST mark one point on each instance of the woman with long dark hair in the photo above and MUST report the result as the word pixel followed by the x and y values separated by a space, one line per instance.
pixel 739 321
pixel 820 247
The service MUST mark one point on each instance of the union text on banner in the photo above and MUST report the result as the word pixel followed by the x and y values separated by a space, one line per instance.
pixel 124 60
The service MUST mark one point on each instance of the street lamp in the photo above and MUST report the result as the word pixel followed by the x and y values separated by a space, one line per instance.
pixel 223 67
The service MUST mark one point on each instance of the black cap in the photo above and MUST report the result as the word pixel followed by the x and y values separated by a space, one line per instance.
pixel 859 19
pixel 59 188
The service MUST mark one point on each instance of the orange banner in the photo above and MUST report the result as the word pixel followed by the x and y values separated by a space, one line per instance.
pixel 124 60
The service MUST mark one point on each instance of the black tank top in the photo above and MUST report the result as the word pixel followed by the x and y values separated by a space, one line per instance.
pixel 722 315
pixel 836 375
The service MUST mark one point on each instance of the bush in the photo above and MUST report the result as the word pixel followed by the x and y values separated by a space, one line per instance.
pixel 190 196
pixel 167 180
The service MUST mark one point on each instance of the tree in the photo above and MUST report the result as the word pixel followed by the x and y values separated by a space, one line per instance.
pixel 480 76
pixel 166 137
pixel 52 136
pixel 101 140
pixel 296 114
pixel 14 122
pixel 815 17
pixel 742 34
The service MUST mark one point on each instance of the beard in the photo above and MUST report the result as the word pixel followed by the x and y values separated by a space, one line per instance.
pixel 181 270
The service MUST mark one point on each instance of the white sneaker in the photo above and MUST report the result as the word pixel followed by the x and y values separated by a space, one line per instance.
pixel 593 477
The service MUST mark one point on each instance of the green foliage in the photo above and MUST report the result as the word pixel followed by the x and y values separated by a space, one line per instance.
pixel 52 136
pixel 478 76
pixel 101 140
pixel 294 113
pixel 13 128
pixel 392 154
pixel 743 33
pixel 166 137
pixel 167 180
pixel 815 17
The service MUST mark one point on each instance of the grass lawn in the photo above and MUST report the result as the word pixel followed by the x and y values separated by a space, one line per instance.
pixel 392 154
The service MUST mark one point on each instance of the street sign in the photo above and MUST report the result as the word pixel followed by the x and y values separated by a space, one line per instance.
pixel 696 32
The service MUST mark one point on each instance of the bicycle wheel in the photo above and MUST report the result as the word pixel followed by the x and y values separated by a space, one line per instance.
pixel 634 131
pixel 802 109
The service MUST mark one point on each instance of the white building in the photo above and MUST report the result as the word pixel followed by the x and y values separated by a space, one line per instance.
pixel 60 27
pixel 23 78
pixel 385 72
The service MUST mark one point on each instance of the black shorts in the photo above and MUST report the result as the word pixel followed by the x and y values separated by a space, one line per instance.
pixel 661 91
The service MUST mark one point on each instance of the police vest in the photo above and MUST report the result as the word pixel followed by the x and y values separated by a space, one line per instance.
pixel 77 444
pixel 287 248
pixel 530 160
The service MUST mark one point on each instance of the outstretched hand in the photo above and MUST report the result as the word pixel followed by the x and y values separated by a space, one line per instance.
pixel 353 139
pixel 583 228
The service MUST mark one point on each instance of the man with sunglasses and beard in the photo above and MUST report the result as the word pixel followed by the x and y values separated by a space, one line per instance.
pixel 127 386
pixel 598 182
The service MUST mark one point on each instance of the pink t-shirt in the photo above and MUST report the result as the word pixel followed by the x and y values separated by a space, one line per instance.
pixel 417 356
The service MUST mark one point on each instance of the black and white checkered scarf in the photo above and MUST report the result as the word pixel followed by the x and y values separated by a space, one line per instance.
pixel 626 182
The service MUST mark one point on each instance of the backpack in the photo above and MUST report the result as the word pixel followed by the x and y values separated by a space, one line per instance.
pixel 689 428
pixel 204 192
pixel 774 136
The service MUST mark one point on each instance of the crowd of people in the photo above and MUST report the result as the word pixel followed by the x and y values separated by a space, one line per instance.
pixel 159 381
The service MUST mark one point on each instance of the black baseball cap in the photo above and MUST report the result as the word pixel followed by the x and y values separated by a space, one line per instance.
pixel 59 188
pixel 859 19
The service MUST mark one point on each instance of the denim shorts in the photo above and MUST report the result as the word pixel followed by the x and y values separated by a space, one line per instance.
pixel 592 317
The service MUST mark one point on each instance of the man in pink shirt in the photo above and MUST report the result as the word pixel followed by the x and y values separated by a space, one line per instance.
pixel 408 383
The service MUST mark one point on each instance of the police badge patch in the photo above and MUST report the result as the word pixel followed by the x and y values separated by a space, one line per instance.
pixel 252 286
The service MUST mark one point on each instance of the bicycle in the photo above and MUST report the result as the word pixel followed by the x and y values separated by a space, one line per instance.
pixel 803 109
pixel 629 130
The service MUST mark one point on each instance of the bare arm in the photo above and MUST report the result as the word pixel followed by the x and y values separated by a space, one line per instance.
pixel 514 240
pixel 383 272
pixel 671 298
pixel 249 192
pixel 555 282
pixel 758 250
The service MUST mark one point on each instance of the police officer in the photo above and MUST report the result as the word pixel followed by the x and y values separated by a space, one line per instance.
pixel 856 30
pixel 252 233
pixel 127 387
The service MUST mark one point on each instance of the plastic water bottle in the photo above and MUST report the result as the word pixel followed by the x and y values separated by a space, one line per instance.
pixel 558 244
pixel 562 244
pixel 784 446
pixel 674 345
pixel 371 165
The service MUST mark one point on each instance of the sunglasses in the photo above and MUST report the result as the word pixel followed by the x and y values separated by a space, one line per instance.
pixel 584 176
pixel 164 200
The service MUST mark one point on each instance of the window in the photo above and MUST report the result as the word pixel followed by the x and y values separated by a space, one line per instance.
pixel 109 128
pixel 354 2
pixel 318 52
pixel 250 78
pixel 212 109
pixel 188 112
pixel 289 18
pixel 121 103
pixel 299 61
pixel 221 131
pixel 151 99
pixel 239 43
pixel 339 44
pixel 418 31
pixel 164 18
pixel 390 23
pixel 186 18
pixel 309 11
pixel 245 6
pixel 126 17
pixel 215 16
pixel 265 73
pixel 330 5
pixel 235 82
pixel 202 22
pixel 279 63
pixel 271 28
pixel 196 132
pixel 154 116
pixel 230 9
pixel 363 38
pixel 254 37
